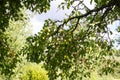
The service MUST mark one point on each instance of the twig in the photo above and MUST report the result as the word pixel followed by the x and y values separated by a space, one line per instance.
pixel 76 25
pixel 110 4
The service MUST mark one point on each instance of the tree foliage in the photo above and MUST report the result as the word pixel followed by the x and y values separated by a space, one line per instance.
pixel 74 47
pixel 11 9
pixel 12 40
pixel 70 55
pixel 29 71
pixel 73 52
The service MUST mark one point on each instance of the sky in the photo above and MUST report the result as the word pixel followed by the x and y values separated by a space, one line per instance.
pixel 37 20
pixel 54 13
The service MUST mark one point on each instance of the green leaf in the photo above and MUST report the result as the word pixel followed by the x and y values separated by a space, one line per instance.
pixel 96 1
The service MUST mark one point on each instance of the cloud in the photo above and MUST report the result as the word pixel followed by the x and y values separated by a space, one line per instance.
pixel 58 14
pixel 54 13
pixel 37 25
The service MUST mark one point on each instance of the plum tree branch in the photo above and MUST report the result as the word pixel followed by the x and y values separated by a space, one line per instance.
pixel 91 11
pixel 107 6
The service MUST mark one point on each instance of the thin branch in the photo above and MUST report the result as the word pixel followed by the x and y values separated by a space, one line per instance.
pixel 86 7
pixel 93 17
pixel 76 25
pixel 105 13
pixel 89 12
pixel 110 4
